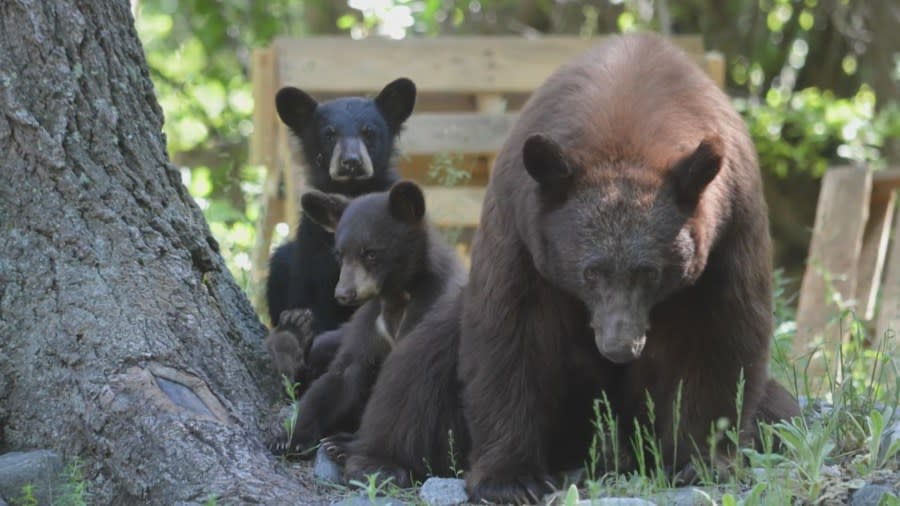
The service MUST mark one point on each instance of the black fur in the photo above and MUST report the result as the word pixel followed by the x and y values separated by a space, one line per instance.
pixel 303 272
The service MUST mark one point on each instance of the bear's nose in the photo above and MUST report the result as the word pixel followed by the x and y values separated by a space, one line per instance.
pixel 351 166
pixel 345 297
pixel 351 162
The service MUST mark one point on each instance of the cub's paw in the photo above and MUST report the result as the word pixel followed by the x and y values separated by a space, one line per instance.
pixel 522 490
pixel 337 446
pixel 360 467
pixel 283 445
pixel 299 320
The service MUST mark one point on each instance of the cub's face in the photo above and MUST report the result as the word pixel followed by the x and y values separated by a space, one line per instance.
pixel 621 244
pixel 351 138
pixel 379 239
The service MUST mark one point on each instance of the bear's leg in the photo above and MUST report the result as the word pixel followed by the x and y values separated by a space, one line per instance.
pixel 279 284
pixel 360 467
pixel 705 401
pixel 510 407
pixel 286 353
pixel 335 396
pixel 288 344
pixel 777 405
pixel 320 352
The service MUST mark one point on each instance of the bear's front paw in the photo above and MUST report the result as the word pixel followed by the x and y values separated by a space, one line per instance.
pixel 337 446
pixel 523 490
pixel 359 468
pixel 300 320
pixel 286 446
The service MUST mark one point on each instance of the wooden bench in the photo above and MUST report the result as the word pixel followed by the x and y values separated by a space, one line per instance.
pixel 468 91
pixel 853 263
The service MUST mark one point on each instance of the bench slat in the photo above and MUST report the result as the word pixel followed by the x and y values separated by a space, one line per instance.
pixel 494 64
pixel 455 133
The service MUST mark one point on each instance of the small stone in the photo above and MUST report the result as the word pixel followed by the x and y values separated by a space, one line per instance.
pixel 616 501
pixel 359 500
pixel 444 492
pixel 326 469
pixel 870 495
pixel 819 408
pixel 690 496
pixel 831 471
pixel 39 468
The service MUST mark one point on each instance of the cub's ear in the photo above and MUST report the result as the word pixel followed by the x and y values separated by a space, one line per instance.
pixel 407 202
pixel 325 209
pixel 547 164
pixel 396 102
pixel 295 107
pixel 693 173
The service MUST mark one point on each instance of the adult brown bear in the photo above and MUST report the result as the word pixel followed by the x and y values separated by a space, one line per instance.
pixel 623 247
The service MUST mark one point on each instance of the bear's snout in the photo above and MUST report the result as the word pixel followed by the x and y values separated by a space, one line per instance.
pixel 619 340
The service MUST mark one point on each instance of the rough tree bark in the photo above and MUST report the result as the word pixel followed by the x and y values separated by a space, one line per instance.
pixel 123 338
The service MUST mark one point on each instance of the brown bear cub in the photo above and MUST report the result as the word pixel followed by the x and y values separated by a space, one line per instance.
pixel 623 249
pixel 393 264
pixel 413 426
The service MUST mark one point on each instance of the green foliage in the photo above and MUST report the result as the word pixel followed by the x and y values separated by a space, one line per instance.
pixel 73 491
pixel 571 498
pixel 809 130
pixel 373 487
pixel 26 498
pixel 291 389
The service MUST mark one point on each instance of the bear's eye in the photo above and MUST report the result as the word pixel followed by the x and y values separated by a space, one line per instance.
pixel 368 255
pixel 329 133
pixel 368 133
pixel 647 273
pixel 595 273
pixel 337 254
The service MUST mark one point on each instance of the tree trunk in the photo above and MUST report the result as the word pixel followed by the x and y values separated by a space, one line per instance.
pixel 123 338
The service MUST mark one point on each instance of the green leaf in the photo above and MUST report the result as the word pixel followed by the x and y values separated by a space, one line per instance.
pixel 571 496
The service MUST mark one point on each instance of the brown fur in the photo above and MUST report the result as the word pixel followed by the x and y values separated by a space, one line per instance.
pixel 413 425
pixel 386 239
pixel 625 114
pixel 297 353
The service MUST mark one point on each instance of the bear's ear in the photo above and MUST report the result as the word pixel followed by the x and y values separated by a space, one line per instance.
pixel 693 173
pixel 547 164
pixel 396 102
pixel 295 107
pixel 325 209
pixel 407 202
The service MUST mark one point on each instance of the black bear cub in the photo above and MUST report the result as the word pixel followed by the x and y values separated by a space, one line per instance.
pixel 393 264
pixel 348 145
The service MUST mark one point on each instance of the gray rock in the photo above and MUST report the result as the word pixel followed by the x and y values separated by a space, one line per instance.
pixel 890 434
pixel 39 468
pixel 689 496
pixel 326 469
pixel 870 495
pixel 360 500
pixel 616 501
pixel 818 408
pixel 2 502
pixel 444 492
